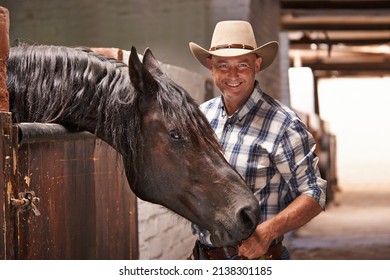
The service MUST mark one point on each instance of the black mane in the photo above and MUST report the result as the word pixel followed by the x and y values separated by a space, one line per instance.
pixel 83 90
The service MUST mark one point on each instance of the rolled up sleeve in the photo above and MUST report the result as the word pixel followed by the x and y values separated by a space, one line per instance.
pixel 298 164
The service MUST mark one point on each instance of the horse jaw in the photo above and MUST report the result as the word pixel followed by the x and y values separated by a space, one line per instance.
pixel 221 205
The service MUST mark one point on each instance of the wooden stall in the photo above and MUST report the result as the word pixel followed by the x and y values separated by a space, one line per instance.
pixel 63 195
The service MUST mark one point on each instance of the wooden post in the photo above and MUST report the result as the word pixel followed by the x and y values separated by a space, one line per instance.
pixel 7 244
pixel 4 51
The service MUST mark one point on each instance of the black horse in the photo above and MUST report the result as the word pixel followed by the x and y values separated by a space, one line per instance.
pixel 170 152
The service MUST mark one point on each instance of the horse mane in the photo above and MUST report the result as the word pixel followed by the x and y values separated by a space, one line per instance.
pixel 83 90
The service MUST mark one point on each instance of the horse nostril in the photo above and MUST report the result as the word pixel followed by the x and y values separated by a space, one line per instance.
pixel 248 218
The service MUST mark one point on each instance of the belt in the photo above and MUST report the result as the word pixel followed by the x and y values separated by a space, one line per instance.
pixel 202 251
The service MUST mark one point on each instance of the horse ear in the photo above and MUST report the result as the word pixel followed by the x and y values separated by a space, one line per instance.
pixel 140 76
pixel 151 63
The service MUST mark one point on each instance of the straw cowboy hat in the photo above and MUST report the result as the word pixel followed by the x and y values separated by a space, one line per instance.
pixel 235 38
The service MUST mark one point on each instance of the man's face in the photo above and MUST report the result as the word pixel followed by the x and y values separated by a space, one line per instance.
pixel 235 77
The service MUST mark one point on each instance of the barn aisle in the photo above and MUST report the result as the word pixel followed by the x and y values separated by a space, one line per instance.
pixel 356 226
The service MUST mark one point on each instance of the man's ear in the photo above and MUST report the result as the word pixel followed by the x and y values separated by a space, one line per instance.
pixel 209 64
pixel 258 64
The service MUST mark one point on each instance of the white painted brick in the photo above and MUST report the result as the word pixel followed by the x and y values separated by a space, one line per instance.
pixel 164 235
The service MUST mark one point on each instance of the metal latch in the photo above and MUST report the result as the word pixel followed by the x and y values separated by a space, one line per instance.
pixel 26 202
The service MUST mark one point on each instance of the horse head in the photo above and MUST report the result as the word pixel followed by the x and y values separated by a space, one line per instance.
pixel 180 164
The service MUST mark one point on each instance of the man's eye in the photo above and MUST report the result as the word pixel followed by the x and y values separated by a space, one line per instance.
pixel 243 66
pixel 175 135
pixel 223 66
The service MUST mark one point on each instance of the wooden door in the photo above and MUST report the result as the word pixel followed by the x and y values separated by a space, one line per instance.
pixel 83 205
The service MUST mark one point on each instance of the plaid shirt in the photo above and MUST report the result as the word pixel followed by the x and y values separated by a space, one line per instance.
pixel 271 148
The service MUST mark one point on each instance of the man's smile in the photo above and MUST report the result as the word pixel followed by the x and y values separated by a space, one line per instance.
pixel 235 84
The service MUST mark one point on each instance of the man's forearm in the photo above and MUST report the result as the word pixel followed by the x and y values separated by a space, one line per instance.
pixel 298 213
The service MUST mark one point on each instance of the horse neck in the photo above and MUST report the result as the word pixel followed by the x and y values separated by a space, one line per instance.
pixel 113 120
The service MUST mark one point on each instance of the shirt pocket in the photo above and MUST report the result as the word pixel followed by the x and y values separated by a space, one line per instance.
pixel 259 168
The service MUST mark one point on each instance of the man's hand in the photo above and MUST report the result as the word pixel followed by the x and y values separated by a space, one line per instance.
pixel 258 243
pixel 297 214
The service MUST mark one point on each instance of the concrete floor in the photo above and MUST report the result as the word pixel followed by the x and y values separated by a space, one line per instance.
pixel 355 226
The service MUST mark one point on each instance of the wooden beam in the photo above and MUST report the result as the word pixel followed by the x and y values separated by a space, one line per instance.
pixel 349 67
pixel 346 41
pixel 334 5
pixel 336 23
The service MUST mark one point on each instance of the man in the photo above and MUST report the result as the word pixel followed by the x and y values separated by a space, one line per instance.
pixel 264 140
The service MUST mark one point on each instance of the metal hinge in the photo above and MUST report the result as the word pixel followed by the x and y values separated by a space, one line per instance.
pixel 26 202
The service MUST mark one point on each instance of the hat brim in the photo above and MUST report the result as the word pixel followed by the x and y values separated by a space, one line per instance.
pixel 267 52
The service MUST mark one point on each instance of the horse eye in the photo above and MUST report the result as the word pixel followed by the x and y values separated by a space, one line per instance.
pixel 175 135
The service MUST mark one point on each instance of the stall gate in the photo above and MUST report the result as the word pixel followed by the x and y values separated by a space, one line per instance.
pixel 64 195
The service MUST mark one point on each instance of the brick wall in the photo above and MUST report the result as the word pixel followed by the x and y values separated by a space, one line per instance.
pixel 264 17
pixel 163 235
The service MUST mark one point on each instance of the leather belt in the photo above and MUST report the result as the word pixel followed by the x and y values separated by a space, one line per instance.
pixel 202 251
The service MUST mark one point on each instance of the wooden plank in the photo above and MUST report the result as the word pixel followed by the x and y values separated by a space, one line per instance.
pixel 4 50
pixel 5 140
pixel 7 215
pixel 334 5
pixel 112 185
pixel 87 208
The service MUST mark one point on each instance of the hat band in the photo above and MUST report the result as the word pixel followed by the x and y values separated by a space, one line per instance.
pixel 231 46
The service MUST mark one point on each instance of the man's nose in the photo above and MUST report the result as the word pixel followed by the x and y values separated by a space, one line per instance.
pixel 233 71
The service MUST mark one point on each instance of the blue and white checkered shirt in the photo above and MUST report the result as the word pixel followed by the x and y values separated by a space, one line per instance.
pixel 271 148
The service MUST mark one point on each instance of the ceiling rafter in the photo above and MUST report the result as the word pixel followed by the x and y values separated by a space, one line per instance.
pixel 346 36
pixel 334 5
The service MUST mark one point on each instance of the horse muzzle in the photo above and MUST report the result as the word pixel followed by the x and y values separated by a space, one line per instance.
pixel 233 231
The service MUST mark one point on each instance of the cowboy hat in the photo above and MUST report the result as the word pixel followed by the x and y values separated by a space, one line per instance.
pixel 235 38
